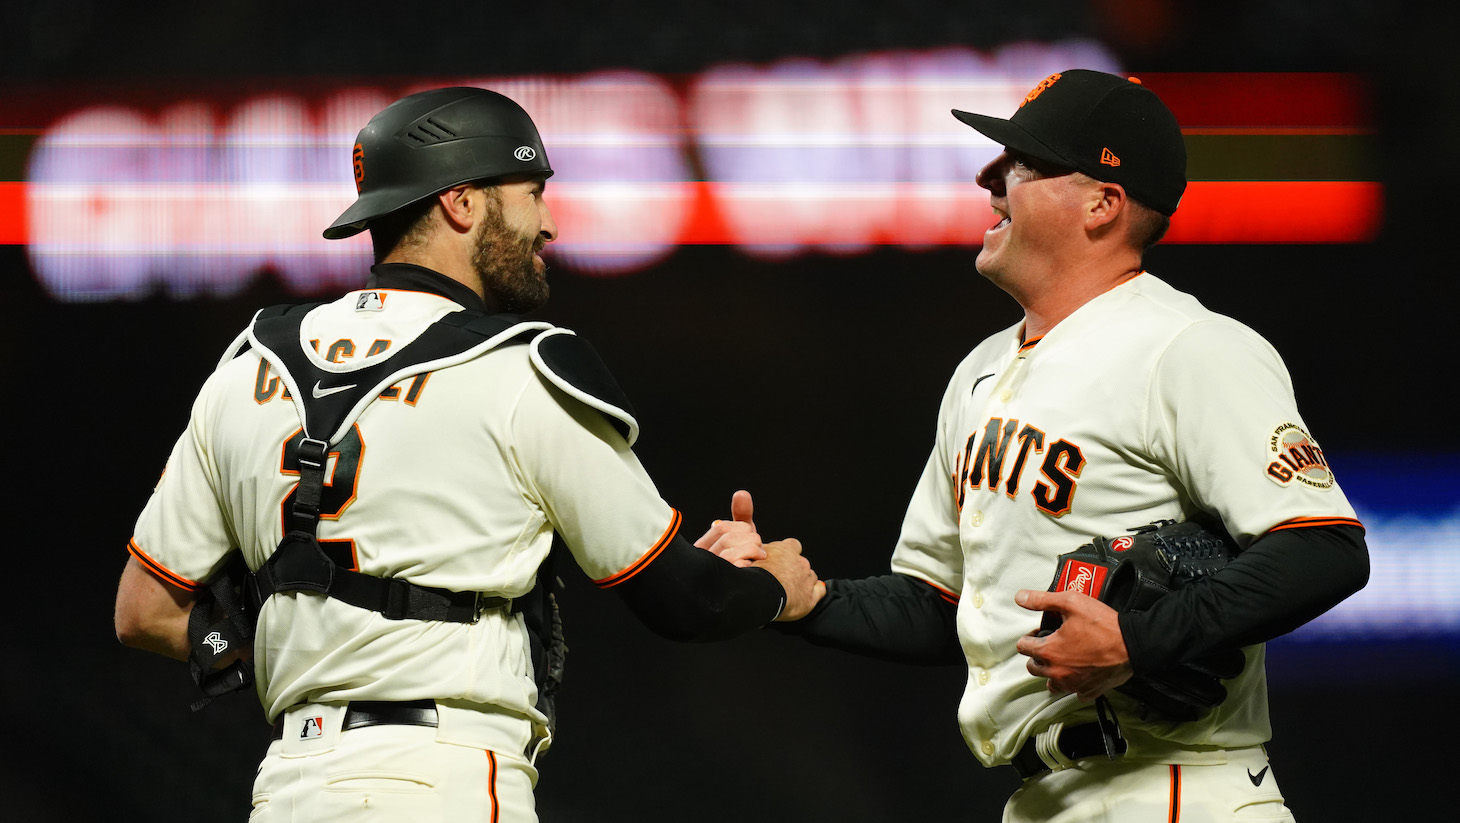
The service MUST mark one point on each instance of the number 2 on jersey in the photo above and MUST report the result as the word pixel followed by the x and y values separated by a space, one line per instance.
pixel 342 477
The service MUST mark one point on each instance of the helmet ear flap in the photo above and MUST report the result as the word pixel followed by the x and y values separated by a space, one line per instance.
pixel 428 142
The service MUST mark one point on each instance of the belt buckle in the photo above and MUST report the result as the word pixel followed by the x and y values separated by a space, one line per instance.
pixel 481 604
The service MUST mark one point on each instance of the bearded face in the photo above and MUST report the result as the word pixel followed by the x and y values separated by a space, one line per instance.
pixel 506 258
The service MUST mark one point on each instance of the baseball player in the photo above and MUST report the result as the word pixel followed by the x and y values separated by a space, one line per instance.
pixel 1116 401
pixel 393 467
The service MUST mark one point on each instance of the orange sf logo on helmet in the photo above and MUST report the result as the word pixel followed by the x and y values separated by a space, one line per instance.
pixel 359 158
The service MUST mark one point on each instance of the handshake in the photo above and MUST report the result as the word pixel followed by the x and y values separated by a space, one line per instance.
pixel 736 540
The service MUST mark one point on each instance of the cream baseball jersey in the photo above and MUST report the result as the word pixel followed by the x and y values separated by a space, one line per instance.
pixel 1142 405
pixel 455 478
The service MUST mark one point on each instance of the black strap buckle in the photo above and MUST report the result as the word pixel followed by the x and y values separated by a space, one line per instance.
pixel 397 603
pixel 1079 742
pixel 313 458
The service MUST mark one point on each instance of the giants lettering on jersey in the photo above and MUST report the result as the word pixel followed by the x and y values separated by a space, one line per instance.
pixel 1297 457
pixel 996 460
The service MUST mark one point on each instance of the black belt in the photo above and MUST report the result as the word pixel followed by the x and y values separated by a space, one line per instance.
pixel 362 713
pixel 1075 742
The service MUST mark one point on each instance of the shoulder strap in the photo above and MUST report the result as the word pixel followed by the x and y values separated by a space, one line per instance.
pixel 328 403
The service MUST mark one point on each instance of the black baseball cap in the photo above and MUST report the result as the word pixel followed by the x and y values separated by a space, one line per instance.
pixel 1111 128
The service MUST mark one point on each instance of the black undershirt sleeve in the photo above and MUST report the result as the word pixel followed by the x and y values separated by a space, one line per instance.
pixel 690 594
pixel 1283 580
pixel 892 617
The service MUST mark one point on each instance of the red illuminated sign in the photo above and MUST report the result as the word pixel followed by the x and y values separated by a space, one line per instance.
pixel 199 192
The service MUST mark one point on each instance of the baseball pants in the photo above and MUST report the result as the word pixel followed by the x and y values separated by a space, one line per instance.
pixel 1225 786
pixel 391 773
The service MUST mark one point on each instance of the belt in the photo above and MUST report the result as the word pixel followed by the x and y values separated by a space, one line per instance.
pixel 363 713
pixel 1075 742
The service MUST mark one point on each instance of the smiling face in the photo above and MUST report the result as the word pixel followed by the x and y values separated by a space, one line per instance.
pixel 1038 208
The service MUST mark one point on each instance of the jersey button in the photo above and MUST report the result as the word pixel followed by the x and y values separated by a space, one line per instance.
pixel 983 677
pixel 987 747
pixel 977 600
pixel 976 519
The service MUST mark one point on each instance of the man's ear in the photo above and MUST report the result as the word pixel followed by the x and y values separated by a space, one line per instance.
pixel 458 205
pixel 1107 201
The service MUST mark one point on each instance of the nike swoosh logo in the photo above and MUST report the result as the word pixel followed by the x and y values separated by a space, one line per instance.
pixel 319 391
pixel 1257 778
pixel 980 380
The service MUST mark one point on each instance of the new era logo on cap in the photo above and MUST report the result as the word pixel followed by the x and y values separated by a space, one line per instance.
pixel 1108 159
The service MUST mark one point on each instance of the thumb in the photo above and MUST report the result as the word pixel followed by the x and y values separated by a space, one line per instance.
pixel 1036 601
pixel 742 508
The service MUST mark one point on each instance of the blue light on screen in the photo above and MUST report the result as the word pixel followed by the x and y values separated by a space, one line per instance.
pixel 1406 621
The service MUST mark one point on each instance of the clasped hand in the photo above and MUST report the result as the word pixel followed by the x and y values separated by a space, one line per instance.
pixel 737 541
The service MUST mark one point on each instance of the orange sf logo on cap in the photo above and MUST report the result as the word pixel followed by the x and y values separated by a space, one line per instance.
pixel 359 158
pixel 1039 89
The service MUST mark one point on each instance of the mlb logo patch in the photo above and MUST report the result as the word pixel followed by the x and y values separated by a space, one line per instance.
pixel 1082 577
pixel 370 301
pixel 313 728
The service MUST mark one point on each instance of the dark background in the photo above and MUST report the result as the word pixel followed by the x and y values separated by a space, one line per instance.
pixel 813 382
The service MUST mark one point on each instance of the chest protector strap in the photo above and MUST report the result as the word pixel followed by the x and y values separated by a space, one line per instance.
pixel 299 563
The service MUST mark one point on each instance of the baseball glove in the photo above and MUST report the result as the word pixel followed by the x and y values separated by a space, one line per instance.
pixel 1130 573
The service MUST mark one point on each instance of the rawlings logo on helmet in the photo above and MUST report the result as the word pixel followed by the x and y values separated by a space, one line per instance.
pixel 524 153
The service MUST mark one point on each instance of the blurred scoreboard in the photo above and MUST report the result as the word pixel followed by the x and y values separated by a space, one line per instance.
pixel 193 191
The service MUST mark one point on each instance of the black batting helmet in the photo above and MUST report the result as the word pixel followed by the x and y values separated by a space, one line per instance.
pixel 428 142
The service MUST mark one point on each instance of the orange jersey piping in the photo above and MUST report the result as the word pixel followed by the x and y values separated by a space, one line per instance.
pixel 492 784
pixel 942 592
pixel 159 569
pixel 1308 522
pixel 1174 816
pixel 648 556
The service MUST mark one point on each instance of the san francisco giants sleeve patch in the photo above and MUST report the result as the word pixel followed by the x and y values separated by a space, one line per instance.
pixel 1296 456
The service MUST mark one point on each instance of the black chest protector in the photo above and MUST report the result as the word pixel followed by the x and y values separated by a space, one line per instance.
pixel 329 403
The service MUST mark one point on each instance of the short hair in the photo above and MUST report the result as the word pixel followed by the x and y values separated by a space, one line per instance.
pixel 1147 226
pixel 406 226
pixel 409 225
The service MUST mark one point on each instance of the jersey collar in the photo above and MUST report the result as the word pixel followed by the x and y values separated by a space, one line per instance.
pixel 410 277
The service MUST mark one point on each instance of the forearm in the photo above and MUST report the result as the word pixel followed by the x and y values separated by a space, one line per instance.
pixel 891 617
pixel 152 615
pixel 1283 580
pixel 689 594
